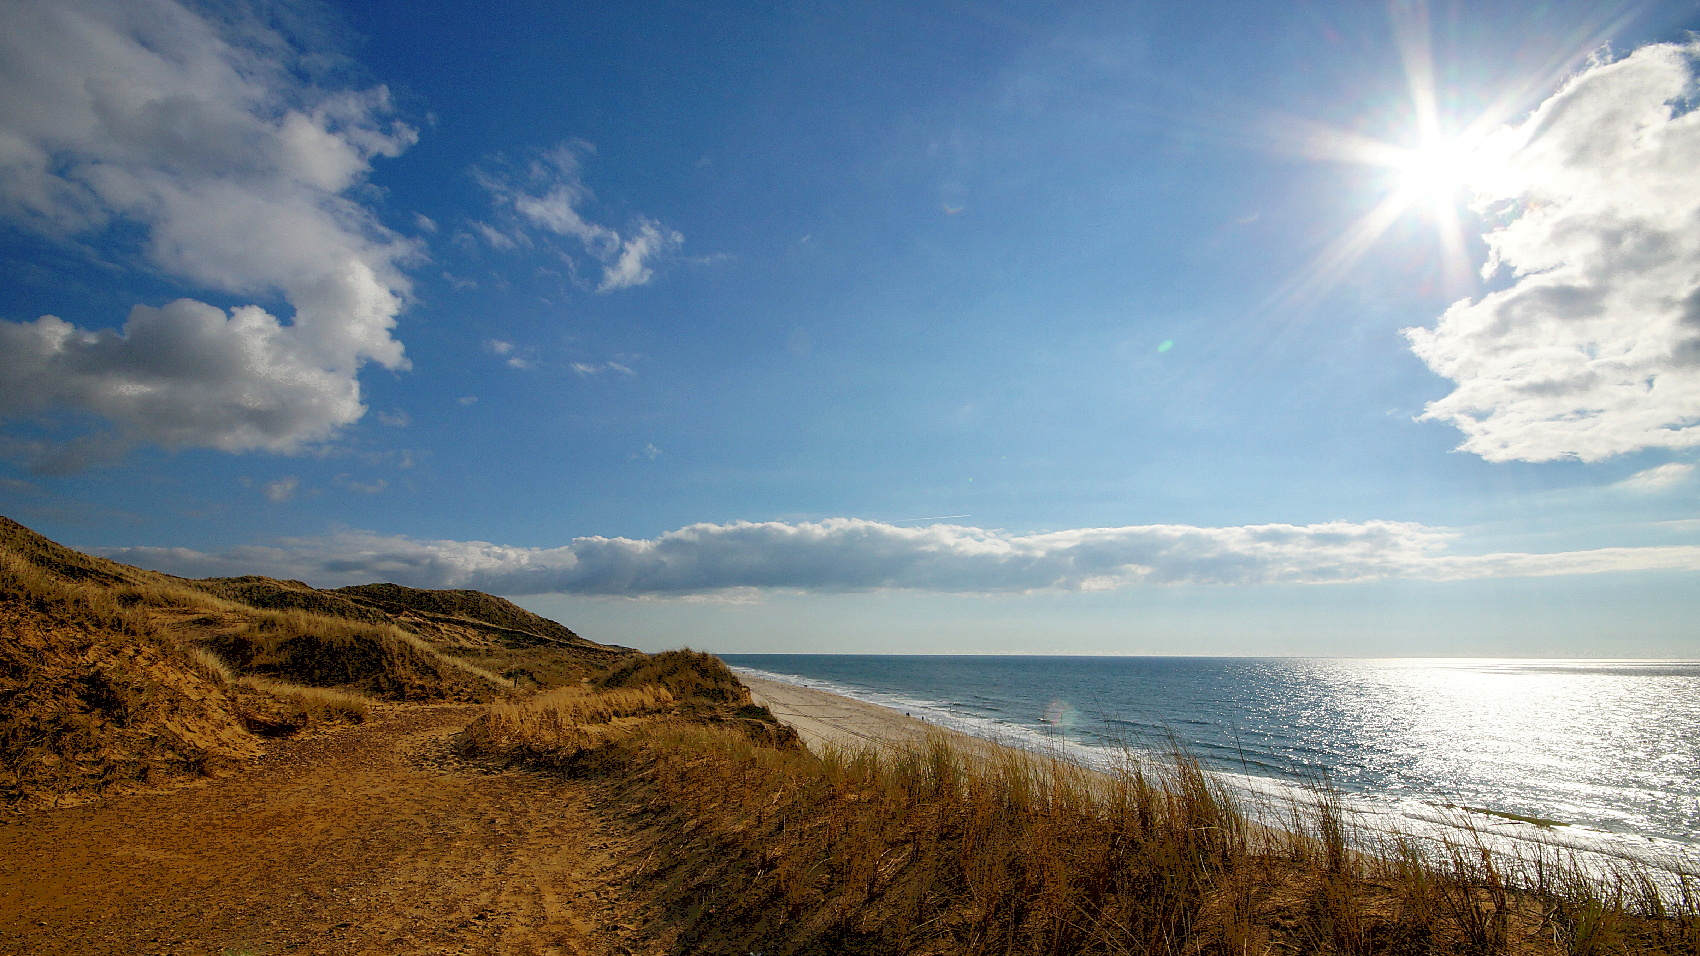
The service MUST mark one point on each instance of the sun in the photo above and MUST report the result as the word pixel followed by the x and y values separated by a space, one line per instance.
pixel 1437 178
pixel 1439 170
pixel 1446 160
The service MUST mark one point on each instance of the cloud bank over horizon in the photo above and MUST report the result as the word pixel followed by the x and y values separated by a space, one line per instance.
pixel 1593 350
pixel 206 146
pixel 853 555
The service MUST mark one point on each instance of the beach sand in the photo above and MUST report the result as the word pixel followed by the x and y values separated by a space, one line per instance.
pixel 825 719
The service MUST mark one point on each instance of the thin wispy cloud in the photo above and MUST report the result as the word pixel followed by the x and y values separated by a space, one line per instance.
pixel 848 555
pixel 282 489
pixel 201 140
pixel 597 368
pixel 548 198
pixel 363 487
pixel 511 355
pixel 1594 348
pixel 1662 478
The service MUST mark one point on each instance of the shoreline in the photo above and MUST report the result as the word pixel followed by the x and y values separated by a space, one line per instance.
pixel 829 719
pixel 825 719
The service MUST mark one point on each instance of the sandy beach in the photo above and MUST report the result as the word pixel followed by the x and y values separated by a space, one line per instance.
pixel 825 719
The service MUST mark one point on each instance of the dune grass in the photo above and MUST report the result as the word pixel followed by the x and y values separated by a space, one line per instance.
pixel 302 647
pixel 944 849
pixel 315 703
pixel 686 674
pixel 292 645
pixel 556 727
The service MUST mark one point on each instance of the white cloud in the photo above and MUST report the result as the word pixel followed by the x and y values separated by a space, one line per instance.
pixel 1594 349
pixel 512 357
pixel 592 368
pixel 551 196
pixel 495 237
pixel 184 374
pixel 853 555
pixel 282 489
pixel 397 418
pixel 364 487
pixel 141 117
pixel 631 267
pixel 1662 478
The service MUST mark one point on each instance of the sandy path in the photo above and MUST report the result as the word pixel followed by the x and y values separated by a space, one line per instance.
pixel 366 840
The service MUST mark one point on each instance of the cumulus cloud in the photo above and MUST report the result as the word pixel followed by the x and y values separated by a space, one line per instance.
pixel 1594 348
pixel 854 555
pixel 200 139
pixel 550 197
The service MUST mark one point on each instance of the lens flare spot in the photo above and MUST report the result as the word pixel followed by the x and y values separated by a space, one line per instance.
pixel 1059 715
pixel 1167 345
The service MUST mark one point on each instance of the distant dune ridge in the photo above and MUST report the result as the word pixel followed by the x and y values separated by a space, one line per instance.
pixel 115 676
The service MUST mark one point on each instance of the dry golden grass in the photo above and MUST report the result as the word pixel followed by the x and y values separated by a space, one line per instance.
pixel 291 644
pixel 212 666
pixel 316 703
pixel 557 727
pixel 688 675
pixel 944 850
pixel 303 647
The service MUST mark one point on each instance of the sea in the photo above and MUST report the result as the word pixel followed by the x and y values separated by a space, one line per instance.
pixel 1598 760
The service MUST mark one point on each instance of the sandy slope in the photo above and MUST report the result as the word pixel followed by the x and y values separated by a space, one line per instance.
pixel 366 840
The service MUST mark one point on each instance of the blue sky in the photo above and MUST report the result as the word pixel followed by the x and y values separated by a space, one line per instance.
pixel 1216 328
